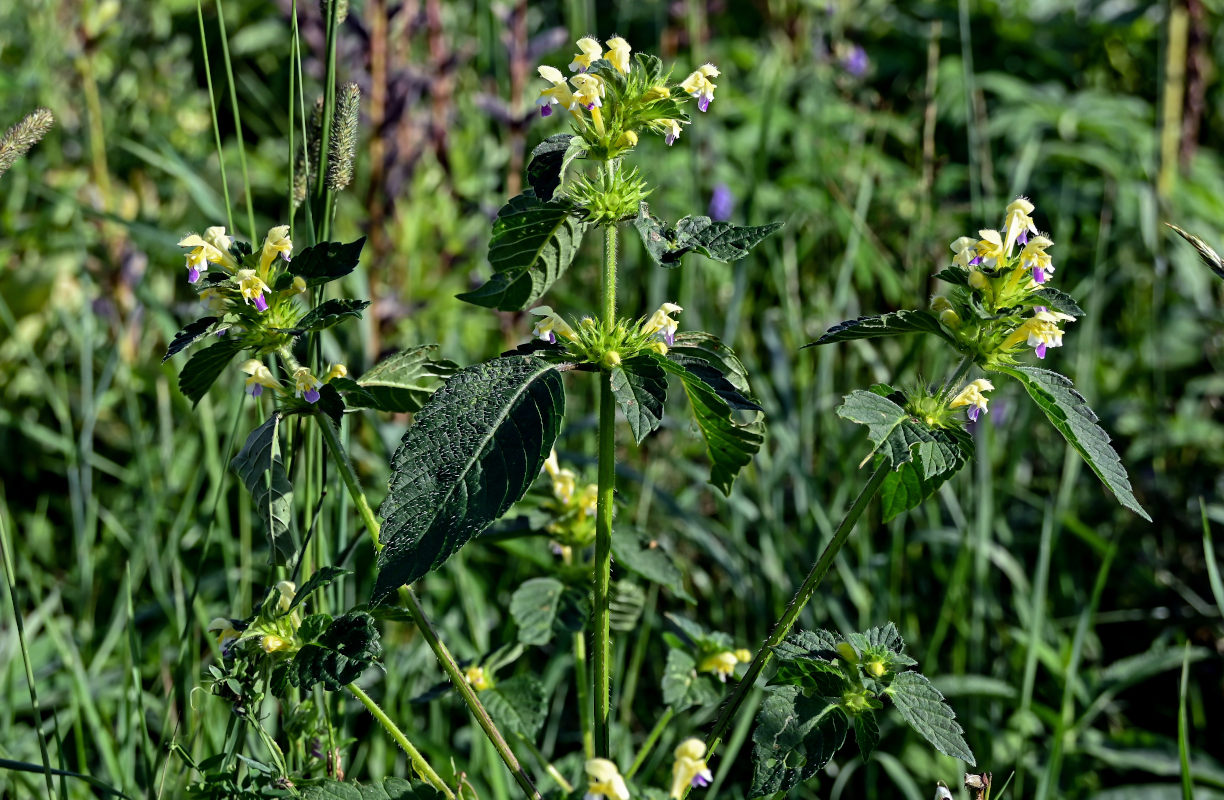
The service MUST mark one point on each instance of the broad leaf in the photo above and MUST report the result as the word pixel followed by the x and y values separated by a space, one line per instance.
pixel 1068 411
pixel 323 576
pixel 923 707
pixel 389 789
pixel 532 245
pixel 473 451
pixel 933 463
pixel 205 366
pixel 649 561
pixel 549 159
pixel 698 348
pixel 894 323
pixel 542 607
pixel 720 241
pixel 818 644
pixel 683 686
pixel 1058 300
pixel 518 705
pixel 866 733
pixel 339 656
pixel 958 276
pixel 795 737
pixel 259 466
pixel 326 261
pixel 191 332
pixel 639 385
pixel 1210 257
pixel 330 312
pixel 899 436
pixel 816 676
pixel 402 382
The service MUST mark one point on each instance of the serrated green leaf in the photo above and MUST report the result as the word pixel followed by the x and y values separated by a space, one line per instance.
pixel 534 607
pixel 866 733
pixel 923 707
pixel 518 705
pixel 1058 300
pixel 329 313
pixel 639 385
pixel 402 382
pixel 339 656
pixel 647 560
pixel 894 323
pixel 884 637
pixel 549 159
pixel 1210 257
pixel 816 676
pixel 323 576
pixel 899 436
pixel 532 245
pixel 795 736
pixel 190 333
pixel 818 644
pixel 1069 412
pixel 389 789
pixel 260 468
pixel 205 366
pixel 625 606
pixel 683 686
pixel 933 463
pixel 326 261
pixel 958 276
pixel 313 626
pixel 698 348
pixel 720 241
pixel 472 452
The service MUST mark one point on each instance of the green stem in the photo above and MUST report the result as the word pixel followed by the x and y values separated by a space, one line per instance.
pixel 552 771
pixel 584 695
pixel 797 604
pixel 413 604
pixel 601 689
pixel 419 763
pixel 650 742
pixel 329 110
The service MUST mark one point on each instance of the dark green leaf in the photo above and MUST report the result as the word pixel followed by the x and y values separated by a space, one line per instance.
pixel 195 330
pixel 1209 256
pixel 639 385
pixel 958 276
pixel 815 676
pixel 343 651
pixel 205 366
pixel 795 737
pixel 683 686
pixel 648 560
pixel 916 480
pixel 518 705
pixel 389 789
pixel 696 349
pixel 898 436
pixel 1068 411
pixel 259 466
pixel 866 733
pixel 323 576
pixel 326 261
pixel 532 245
pixel 330 403
pixel 894 323
pixel 331 312
pixel 720 241
pixel 402 382
pixel 313 626
pixel 546 167
pixel 923 707
pixel 804 644
pixel 473 451
pixel 1059 301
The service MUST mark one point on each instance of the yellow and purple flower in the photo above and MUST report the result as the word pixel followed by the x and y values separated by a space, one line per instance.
pixel 689 769
pixel 618 53
pixel 662 324
pixel 1040 331
pixel 974 397
pixel 551 325
pixel 275 243
pixel 604 780
pixel 699 85
pixel 559 92
pixel 261 378
pixel 1018 224
pixel 1034 257
pixel 591 52
pixel 589 91
pixel 252 289
pixel 211 248
pixel 306 385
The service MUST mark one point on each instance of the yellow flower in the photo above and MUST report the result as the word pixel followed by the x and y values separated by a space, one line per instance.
pixel 689 768
pixel 223 628
pixel 591 52
pixel 588 500
pixel 965 249
pixel 261 377
pixel 272 644
pixel 550 326
pixel 721 664
pixel 670 129
pixel 276 243
pixel 618 53
pixel 558 93
pixel 476 677
pixel 306 385
pixel 252 288
pixel 1018 224
pixel 627 139
pixel 662 324
pixel 1034 257
pixel 654 93
pixel 974 397
pixel 564 482
pixel 743 655
pixel 211 248
pixel 336 371
pixel 1039 331
pixel 589 91
pixel 287 590
pixel 989 248
pixel 604 780
pixel 699 85
pixel 217 238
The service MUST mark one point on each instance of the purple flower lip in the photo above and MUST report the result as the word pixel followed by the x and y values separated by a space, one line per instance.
pixel 260 303
pixel 311 395
pixel 700 781
pixel 670 139
pixel 722 203
pixel 703 103
pixel 254 390
pixel 973 413
pixel 973 262
pixel 1039 275
pixel 1040 350
pixel 546 110
pixel 550 337
pixel 193 274
pixel 1023 238
pixel 590 106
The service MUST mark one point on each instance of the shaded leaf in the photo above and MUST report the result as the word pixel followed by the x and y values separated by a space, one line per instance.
pixel 625 605
pixel 916 480
pixel 923 707
pixel 339 656
pixel 866 733
pixel 330 403
pixel 518 705
pixel 683 686
pixel 402 382
pixel 473 451
pixel 329 313
pixel 899 436
pixel 260 468
pixel 190 333
pixel 648 560
pixel 894 323
pixel 720 241
pixel 958 276
pixel 1058 300
pixel 205 366
pixel 549 159
pixel 639 385
pixel 326 261
pixel 795 736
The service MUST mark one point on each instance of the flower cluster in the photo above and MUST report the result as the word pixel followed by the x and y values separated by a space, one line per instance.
pixel 1001 302
pixel 592 342
pixel 689 770
pixel 612 98
pixel 273 630
pixel 572 508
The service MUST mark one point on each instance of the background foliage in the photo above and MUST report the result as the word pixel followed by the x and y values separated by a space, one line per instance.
pixel 878 131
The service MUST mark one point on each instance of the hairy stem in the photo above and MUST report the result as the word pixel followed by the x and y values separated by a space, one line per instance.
pixel 797 604
pixel 650 742
pixel 603 513
pixel 419 764
pixel 413 605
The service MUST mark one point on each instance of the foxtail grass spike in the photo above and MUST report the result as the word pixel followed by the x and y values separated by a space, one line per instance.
pixel 343 145
pixel 342 9
pixel 21 137
pixel 314 135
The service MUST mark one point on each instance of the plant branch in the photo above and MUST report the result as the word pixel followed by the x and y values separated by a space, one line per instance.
pixel 419 763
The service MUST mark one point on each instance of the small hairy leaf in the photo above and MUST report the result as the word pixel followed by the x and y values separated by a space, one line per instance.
pixel 923 707
pixel 1209 256
pixel 683 686
pixel 402 382
pixel 389 789
pixel 323 576
pixel 1068 411
pixel 532 245
pixel 898 436
pixel 472 452
pixel 648 560
pixel 191 332
pixel 331 312
pixel 259 466
pixel 795 737
pixel 326 261
pixel 720 241
pixel 339 656
pixel 639 385
pixel 542 607
pixel 1059 301
pixel 517 705
pixel 894 323
pixel 205 366
pixel 934 463
pixel 546 167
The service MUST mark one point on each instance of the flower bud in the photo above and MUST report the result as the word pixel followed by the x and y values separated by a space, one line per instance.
pixel 977 280
pixel 950 319
pixel 611 359
pixel 875 668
